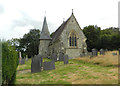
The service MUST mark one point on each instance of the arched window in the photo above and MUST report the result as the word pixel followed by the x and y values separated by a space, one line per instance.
pixel 72 39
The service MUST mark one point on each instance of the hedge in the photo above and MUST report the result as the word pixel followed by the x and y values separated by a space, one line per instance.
pixel 9 63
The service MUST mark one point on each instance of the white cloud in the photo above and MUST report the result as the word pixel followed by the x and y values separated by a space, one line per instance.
pixel 18 16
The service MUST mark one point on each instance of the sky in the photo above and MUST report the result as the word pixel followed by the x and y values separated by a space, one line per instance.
pixel 17 17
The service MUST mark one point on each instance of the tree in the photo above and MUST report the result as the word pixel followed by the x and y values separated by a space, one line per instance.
pixel 29 44
pixel 15 42
pixel 93 34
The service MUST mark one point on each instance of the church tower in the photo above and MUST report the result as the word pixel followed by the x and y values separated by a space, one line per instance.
pixel 44 39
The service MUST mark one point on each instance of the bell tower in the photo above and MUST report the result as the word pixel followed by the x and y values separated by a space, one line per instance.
pixel 44 39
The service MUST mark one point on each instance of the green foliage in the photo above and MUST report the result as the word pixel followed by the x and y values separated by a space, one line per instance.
pixel 92 33
pixel 28 45
pixel 9 63
pixel 107 39
pixel 30 42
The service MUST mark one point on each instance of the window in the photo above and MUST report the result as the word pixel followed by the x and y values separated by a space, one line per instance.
pixel 72 39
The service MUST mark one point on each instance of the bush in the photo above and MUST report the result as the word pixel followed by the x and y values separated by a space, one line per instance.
pixel 9 63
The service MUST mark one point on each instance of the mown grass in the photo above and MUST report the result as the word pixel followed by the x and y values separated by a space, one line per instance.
pixel 76 72
pixel 27 64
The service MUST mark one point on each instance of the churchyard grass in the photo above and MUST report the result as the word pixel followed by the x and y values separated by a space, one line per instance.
pixel 76 72
pixel 104 60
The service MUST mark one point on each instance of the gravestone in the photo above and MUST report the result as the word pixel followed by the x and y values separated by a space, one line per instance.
pixel 102 52
pixel 49 65
pixel 20 57
pixel 54 57
pixel 114 54
pixel 22 61
pixel 26 58
pixel 61 56
pixel 66 59
pixel 94 52
pixel 36 64
pixel 40 59
pixel 119 51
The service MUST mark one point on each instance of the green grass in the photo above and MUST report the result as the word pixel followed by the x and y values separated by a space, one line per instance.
pixel 76 72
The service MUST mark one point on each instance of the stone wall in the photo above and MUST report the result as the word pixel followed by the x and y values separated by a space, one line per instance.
pixel 43 48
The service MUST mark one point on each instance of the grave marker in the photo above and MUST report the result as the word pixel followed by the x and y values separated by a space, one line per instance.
pixel 66 59
pixel 94 52
pixel 61 56
pixel 119 51
pixel 49 65
pixel 36 64
pixel 102 52
pixel 54 57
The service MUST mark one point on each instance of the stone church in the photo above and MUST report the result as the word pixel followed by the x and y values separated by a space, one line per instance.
pixel 67 39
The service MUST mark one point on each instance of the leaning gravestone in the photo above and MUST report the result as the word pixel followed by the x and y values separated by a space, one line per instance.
pixel 61 56
pixel 94 52
pixel 102 52
pixel 54 57
pixel 49 65
pixel 66 59
pixel 36 64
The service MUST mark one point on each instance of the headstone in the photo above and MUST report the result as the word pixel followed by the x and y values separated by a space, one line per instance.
pixel 26 58
pixel 114 54
pixel 102 52
pixel 40 59
pixel 61 56
pixel 119 51
pixel 66 59
pixel 20 57
pixel 49 65
pixel 54 57
pixel 94 52
pixel 36 64
pixel 22 61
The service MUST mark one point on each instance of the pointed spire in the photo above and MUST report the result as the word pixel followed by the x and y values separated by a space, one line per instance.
pixel 45 32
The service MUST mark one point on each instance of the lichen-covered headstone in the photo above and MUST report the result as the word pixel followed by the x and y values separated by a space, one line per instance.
pixel 61 56
pixel 66 59
pixel 49 65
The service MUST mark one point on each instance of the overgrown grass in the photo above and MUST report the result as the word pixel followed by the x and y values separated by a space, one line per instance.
pixel 104 60
pixel 76 72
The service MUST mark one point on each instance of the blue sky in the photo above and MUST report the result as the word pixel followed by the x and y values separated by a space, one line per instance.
pixel 17 17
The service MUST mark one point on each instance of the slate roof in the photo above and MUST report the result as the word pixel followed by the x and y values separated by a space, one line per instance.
pixel 45 32
pixel 58 32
